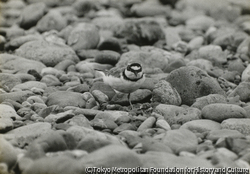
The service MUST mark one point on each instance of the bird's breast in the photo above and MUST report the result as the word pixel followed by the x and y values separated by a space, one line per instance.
pixel 123 85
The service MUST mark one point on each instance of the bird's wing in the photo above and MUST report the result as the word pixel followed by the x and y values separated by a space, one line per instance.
pixel 116 72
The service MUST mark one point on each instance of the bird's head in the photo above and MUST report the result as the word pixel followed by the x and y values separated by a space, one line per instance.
pixel 134 71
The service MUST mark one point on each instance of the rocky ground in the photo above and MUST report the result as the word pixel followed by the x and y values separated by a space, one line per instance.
pixel 192 111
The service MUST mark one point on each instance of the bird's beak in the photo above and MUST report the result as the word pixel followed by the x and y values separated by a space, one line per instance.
pixel 136 73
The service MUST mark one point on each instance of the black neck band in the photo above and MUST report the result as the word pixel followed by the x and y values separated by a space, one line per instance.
pixel 132 80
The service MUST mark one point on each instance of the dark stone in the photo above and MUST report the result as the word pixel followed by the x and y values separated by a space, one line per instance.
pixel 192 82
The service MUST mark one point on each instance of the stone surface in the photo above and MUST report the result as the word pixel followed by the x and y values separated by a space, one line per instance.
pixel 140 32
pixel 191 111
pixel 192 82
pixel 65 98
pixel 107 57
pixel 24 135
pixel 139 96
pixel 104 88
pixel 19 96
pixel 148 123
pixel 163 160
pixel 213 53
pixel 8 153
pixel 53 20
pixel 178 115
pixel 242 90
pixel 241 125
pixel 8 81
pixel 148 59
pixel 83 36
pixel 149 8
pixel 201 102
pixel 79 133
pixel 37 10
pixel 200 23
pixel 29 85
pixel 201 126
pixel 19 64
pixel 59 118
pixel 161 123
pixel 46 52
pixel 214 135
pixel 164 93
pixel 220 111
pixel 246 74
pixel 112 156
pixel 180 140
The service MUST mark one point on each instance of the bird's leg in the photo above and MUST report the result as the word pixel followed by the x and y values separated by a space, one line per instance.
pixel 130 101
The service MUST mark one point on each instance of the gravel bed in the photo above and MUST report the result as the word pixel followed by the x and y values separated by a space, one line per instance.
pixel 191 114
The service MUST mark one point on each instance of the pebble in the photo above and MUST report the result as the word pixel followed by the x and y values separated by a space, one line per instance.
pixel 8 112
pixel 47 165
pixel 201 102
pixel 139 96
pixel 19 96
pixel 51 80
pixel 83 36
pixel 164 93
pixel 56 112
pixel 111 43
pixel 82 7
pixel 8 81
pixel 106 89
pixel 112 155
pixel 149 8
pixel 6 124
pixel 178 115
pixel 8 153
pixel 104 123
pixel 213 53
pixel 60 117
pixel 79 120
pixel 25 77
pixel 239 124
pixel 59 21
pixel 171 36
pixel 150 144
pixel 242 90
pixel 201 126
pixel 163 160
pixel 202 64
pixel 150 59
pixel 24 135
pixel 37 10
pixel 180 140
pixel 19 64
pixel 161 123
pixel 214 135
pixel 227 153
pixel 185 79
pixel 148 123
pixel 100 96
pixel 131 31
pixel 28 85
pixel 91 144
pixel 66 98
pixel 80 133
pixel 46 52
pixel 195 43
pixel 200 23
pixel 220 111
pixel 124 127
pixel 107 57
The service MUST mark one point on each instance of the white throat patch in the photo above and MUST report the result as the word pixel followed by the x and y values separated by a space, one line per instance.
pixel 135 67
